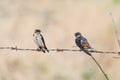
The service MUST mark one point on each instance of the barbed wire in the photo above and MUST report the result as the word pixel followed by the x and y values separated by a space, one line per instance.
pixel 57 50
pixel 62 50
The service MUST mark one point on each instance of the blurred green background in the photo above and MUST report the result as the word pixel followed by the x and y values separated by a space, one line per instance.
pixel 58 20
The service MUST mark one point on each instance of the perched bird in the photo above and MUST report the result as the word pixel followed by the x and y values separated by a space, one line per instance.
pixel 39 40
pixel 82 43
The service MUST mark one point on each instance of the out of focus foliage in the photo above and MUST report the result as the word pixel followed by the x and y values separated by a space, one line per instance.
pixel 61 77
pixel 86 75
pixel 116 1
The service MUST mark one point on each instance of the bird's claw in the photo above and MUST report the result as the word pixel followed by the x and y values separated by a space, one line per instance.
pixel 38 49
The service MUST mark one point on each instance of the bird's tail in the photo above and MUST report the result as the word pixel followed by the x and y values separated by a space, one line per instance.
pixel 42 49
pixel 87 52
pixel 46 49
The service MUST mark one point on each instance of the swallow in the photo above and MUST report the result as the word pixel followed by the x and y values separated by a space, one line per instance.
pixel 82 43
pixel 39 40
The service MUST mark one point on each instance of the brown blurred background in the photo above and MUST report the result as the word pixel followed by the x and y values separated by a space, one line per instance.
pixel 58 20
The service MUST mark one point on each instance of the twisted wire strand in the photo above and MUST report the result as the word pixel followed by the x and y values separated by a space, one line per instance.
pixel 57 50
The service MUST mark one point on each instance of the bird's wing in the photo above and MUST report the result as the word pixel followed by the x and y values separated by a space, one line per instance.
pixel 84 43
pixel 43 40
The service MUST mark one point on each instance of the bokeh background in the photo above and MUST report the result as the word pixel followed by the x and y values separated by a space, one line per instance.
pixel 58 20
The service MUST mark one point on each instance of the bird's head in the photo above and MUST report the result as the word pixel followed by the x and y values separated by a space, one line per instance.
pixel 37 31
pixel 77 34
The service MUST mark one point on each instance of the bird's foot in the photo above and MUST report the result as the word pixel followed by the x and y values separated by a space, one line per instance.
pixel 93 49
pixel 38 49
pixel 48 51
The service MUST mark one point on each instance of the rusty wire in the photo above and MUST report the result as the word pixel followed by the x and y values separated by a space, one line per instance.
pixel 58 50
